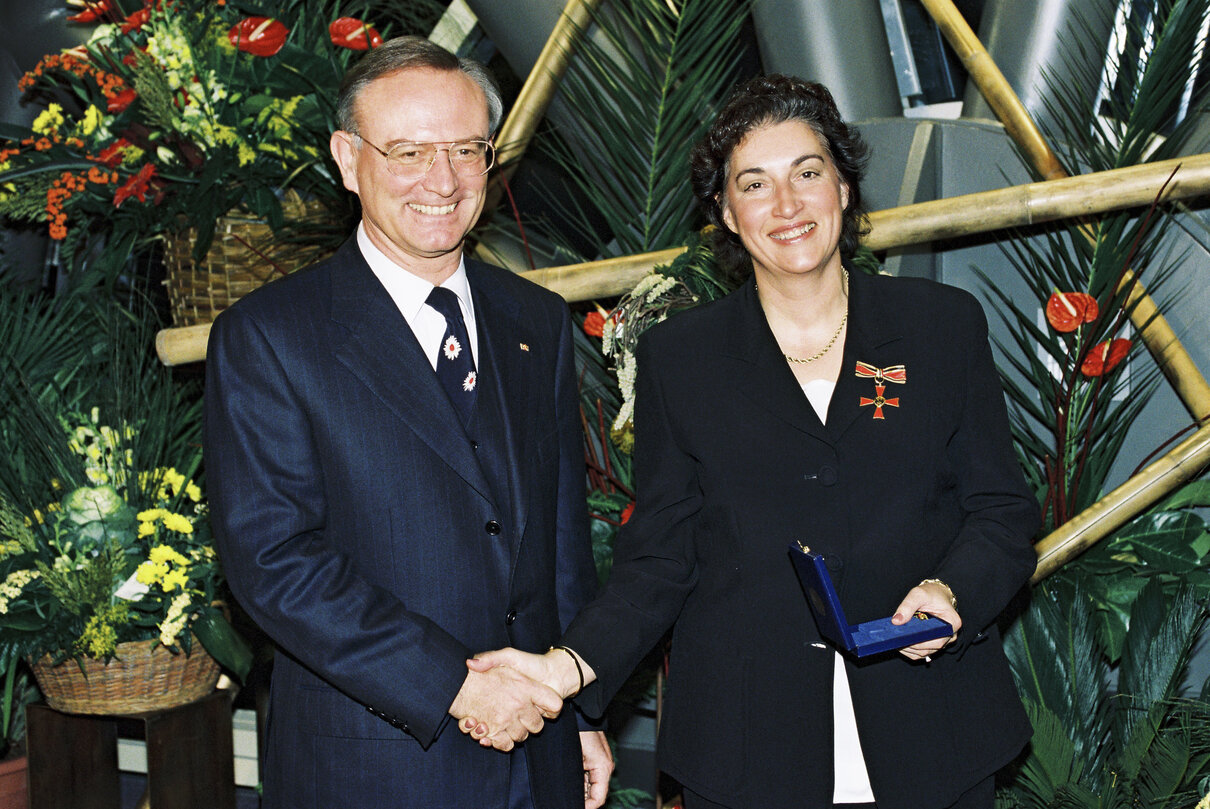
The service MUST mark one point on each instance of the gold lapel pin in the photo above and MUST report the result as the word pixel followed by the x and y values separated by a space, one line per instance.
pixel 524 347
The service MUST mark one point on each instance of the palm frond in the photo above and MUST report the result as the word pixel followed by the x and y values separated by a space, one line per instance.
pixel 646 87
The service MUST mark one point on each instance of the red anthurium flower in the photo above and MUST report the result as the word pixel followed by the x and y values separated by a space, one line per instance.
pixel 1104 357
pixel 120 100
pixel 111 155
pixel 626 512
pixel 136 20
pixel 594 324
pixel 93 11
pixel 1067 311
pixel 352 33
pixel 259 36
pixel 136 186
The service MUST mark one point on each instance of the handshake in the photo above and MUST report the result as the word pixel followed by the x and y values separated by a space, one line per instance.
pixel 508 694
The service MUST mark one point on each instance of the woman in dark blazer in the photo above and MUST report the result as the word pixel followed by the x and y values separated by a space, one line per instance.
pixel 862 416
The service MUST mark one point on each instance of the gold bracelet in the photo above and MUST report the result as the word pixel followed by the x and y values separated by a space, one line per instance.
pixel 950 590
pixel 579 668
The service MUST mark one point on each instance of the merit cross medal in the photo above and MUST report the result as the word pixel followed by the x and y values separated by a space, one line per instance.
pixel 893 373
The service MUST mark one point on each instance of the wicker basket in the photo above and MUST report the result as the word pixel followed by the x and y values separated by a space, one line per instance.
pixel 143 676
pixel 243 256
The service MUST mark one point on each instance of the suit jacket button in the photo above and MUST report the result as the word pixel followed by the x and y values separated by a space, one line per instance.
pixel 827 475
pixel 512 616
pixel 492 527
pixel 474 445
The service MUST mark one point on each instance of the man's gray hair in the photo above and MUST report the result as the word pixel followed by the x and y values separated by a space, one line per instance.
pixel 403 53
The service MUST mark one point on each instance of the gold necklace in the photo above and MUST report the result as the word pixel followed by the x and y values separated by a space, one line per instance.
pixel 825 349
pixel 835 334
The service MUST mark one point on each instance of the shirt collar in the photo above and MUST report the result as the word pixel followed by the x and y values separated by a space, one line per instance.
pixel 410 291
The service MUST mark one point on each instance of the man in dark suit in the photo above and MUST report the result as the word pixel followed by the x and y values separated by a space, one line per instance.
pixel 396 471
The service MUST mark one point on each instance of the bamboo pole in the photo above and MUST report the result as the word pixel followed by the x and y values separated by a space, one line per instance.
pixel 1121 505
pixel 539 88
pixel 1174 361
pixel 994 87
pixel 964 215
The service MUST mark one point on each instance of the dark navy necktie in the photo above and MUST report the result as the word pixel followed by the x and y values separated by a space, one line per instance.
pixel 455 366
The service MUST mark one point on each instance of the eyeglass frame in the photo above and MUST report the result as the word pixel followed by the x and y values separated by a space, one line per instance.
pixel 491 150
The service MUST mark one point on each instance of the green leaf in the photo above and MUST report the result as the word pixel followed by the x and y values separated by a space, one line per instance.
pixel 223 643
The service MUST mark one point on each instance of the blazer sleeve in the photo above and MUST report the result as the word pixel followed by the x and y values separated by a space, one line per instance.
pixel 270 525
pixel 654 566
pixel 991 557
pixel 575 580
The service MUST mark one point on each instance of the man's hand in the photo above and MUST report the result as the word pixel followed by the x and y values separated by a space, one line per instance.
pixel 506 704
pixel 598 767
pixel 556 669
pixel 931 598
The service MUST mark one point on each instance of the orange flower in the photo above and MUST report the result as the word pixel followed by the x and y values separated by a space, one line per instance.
pixel 136 186
pixel 120 101
pixel 626 512
pixel 93 11
pixel 111 155
pixel 136 20
pixel 594 324
pixel 259 36
pixel 1067 311
pixel 352 33
pixel 1104 357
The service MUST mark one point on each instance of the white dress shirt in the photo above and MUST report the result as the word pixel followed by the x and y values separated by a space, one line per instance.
pixel 410 293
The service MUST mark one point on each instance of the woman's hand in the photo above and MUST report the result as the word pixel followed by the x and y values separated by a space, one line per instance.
pixel 934 598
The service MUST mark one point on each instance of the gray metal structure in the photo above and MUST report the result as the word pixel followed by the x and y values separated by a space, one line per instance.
pixel 840 44
pixel 1030 39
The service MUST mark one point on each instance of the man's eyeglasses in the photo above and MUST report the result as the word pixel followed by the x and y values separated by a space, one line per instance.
pixel 468 158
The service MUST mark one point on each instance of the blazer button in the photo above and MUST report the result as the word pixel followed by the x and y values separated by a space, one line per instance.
pixel 510 618
pixel 827 475
pixel 474 445
pixel 492 527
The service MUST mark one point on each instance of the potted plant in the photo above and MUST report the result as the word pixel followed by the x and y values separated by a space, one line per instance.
pixel 105 558
pixel 173 115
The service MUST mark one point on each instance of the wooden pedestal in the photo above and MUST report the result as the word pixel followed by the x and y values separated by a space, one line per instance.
pixel 73 758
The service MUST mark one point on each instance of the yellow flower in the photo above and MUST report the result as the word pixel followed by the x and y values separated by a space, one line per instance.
pixel 92 119
pixel 146 529
pixel 246 154
pixel 151 514
pixel 175 522
pixel 193 492
pixel 150 572
pixel 163 554
pixel 49 120
pixel 176 578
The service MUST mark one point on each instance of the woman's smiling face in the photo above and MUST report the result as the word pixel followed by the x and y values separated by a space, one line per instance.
pixel 785 200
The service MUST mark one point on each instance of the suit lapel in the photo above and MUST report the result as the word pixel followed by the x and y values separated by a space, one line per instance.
pixel 502 333
pixel 759 369
pixel 380 349
pixel 761 372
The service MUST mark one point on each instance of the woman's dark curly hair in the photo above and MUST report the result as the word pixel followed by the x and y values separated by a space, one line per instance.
pixel 768 101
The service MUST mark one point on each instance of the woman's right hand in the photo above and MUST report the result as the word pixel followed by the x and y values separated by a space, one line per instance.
pixel 934 598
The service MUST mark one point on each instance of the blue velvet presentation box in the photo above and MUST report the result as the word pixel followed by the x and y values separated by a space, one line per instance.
pixel 871 637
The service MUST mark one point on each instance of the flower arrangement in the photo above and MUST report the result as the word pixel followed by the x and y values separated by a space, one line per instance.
pixel 178 112
pixel 92 570
pixel 104 532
